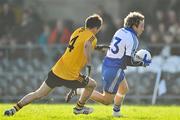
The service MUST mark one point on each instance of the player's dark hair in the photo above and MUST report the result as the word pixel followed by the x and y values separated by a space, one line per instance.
pixel 133 18
pixel 93 21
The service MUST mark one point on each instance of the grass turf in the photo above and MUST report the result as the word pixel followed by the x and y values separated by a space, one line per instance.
pixel 64 112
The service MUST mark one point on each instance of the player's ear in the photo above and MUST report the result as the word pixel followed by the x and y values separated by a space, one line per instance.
pixel 135 27
pixel 94 30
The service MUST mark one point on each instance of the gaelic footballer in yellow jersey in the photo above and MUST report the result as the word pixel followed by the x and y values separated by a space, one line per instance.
pixel 66 71
pixel 74 59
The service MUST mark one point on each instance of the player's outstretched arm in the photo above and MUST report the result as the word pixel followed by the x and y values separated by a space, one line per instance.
pixel 102 47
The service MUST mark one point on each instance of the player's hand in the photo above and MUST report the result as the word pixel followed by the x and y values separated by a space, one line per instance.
pixel 102 47
pixel 145 61
pixel 88 69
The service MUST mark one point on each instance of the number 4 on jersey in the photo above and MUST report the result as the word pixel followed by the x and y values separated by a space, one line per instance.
pixel 71 43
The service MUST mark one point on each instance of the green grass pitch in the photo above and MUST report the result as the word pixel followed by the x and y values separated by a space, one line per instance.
pixel 101 112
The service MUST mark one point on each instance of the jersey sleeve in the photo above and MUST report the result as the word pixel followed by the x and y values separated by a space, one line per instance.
pixel 93 40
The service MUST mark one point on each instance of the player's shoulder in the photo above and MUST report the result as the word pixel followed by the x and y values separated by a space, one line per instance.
pixel 79 30
pixel 84 34
pixel 83 31
pixel 123 31
pixel 123 34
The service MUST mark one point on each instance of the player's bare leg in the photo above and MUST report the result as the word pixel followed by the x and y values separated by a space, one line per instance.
pixel 104 98
pixel 119 97
pixel 80 108
pixel 39 93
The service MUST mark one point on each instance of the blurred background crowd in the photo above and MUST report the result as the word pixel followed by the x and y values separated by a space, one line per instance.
pixel 34 34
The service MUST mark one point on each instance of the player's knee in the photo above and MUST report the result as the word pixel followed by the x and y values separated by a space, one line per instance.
pixel 34 95
pixel 92 84
pixel 39 95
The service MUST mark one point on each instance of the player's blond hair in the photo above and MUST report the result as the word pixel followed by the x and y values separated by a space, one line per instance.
pixel 133 18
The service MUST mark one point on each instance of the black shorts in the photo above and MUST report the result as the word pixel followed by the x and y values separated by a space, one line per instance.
pixel 54 81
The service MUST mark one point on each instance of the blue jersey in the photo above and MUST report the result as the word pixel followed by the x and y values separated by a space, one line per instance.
pixel 124 42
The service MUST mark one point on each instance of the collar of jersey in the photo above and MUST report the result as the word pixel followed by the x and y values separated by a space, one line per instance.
pixel 131 30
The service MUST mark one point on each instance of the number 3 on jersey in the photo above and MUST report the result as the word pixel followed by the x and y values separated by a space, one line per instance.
pixel 71 43
pixel 115 50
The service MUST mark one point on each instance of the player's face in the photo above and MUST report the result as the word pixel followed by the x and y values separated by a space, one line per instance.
pixel 140 28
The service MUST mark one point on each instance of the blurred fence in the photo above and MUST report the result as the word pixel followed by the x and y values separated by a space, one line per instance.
pixel 24 68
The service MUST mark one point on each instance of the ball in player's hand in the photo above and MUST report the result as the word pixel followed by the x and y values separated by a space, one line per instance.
pixel 139 56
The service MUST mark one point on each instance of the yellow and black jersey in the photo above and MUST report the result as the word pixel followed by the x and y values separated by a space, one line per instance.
pixel 73 60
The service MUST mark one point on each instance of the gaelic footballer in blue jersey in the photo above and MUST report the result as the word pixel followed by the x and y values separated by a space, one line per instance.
pixel 121 54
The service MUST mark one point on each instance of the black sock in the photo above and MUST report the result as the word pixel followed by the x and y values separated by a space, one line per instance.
pixel 79 105
pixel 17 107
